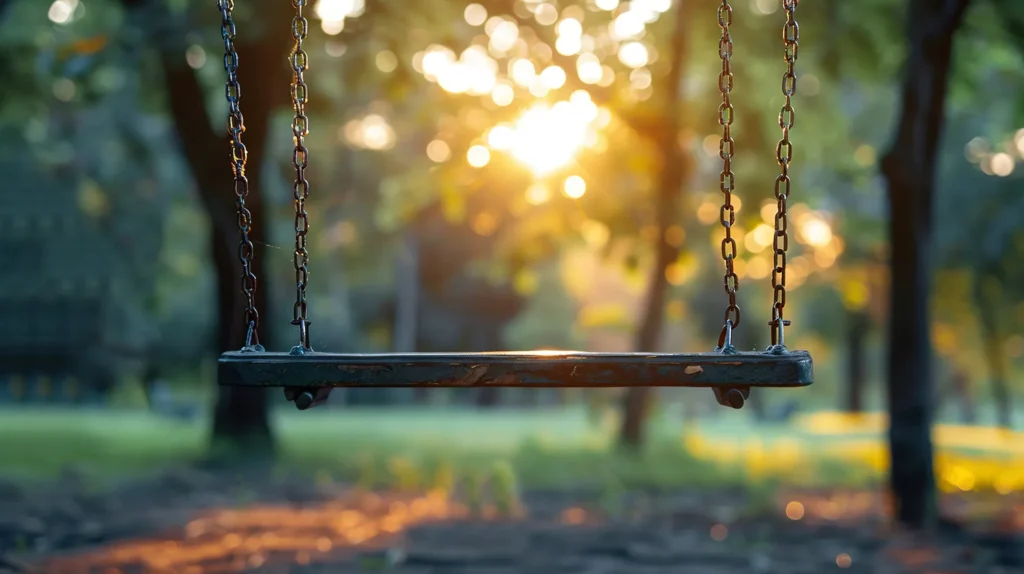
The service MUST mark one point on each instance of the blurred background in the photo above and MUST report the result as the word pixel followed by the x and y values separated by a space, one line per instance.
pixel 513 175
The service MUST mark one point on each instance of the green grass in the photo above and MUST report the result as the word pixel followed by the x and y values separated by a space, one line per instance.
pixel 484 452
pixel 390 447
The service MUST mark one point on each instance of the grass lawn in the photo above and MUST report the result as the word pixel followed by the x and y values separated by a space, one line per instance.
pixel 545 448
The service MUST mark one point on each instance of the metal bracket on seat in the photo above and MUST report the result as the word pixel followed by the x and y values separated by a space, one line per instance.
pixel 733 397
pixel 308 377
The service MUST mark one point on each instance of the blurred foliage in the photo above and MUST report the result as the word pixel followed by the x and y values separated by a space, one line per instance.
pixel 82 92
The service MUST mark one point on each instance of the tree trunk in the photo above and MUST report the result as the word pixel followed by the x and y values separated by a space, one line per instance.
pixel 676 168
pixel 407 295
pixel 987 295
pixel 857 327
pixel 909 169
pixel 240 416
pixel 961 384
pixel 407 302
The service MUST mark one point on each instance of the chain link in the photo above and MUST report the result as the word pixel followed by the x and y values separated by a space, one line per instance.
pixel 235 128
pixel 784 155
pixel 727 214
pixel 300 156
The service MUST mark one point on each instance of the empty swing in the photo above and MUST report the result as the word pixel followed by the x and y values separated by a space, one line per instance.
pixel 308 376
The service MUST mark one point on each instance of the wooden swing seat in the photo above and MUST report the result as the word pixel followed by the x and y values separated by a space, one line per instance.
pixel 558 369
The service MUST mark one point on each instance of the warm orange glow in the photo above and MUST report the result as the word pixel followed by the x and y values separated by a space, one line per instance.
pixel 574 516
pixel 719 532
pixel 794 510
pixel 816 232
pixel 438 151
pixel 371 132
pixel 256 536
pixel 547 138
pixel 537 194
pixel 707 213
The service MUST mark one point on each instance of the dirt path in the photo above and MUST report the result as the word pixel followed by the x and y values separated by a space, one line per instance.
pixel 192 522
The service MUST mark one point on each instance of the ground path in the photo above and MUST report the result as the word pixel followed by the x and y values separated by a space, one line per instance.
pixel 196 522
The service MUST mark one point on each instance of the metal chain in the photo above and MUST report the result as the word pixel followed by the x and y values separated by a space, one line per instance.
pixel 235 128
pixel 300 156
pixel 784 155
pixel 727 214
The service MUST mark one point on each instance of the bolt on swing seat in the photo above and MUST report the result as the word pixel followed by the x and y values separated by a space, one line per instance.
pixel 307 376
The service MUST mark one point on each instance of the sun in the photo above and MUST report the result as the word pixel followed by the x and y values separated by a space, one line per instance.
pixel 547 138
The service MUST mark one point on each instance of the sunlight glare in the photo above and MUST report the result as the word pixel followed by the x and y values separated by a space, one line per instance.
pixel 757 240
pixel 640 79
pixel 537 193
pixel 61 11
pixel 568 45
pixel 647 11
pixel 588 68
pixel 332 27
pixel 553 77
pixel 386 61
pixel 478 156
pixel 338 10
pixel 438 151
pixel 500 137
pixel 816 232
pixel 538 88
pixel 376 134
pixel 436 60
pixel 633 55
pixel 504 36
pixel 575 186
pixel 371 132
pixel 627 25
pixel 522 71
pixel 570 27
pixel 1001 164
pixel 546 138
pixel 475 14
pixel 456 78
pixel 545 14
pixel 503 94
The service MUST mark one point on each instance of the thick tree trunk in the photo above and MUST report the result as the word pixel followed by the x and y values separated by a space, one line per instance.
pixel 675 170
pixel 909 168
pixel 240 416
pixel 857 327
pixel 987 295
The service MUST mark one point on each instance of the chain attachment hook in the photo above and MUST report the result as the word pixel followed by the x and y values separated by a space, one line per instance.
pixel 303 347
pixel 725 339
pixel 778 326
pixel 252 340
